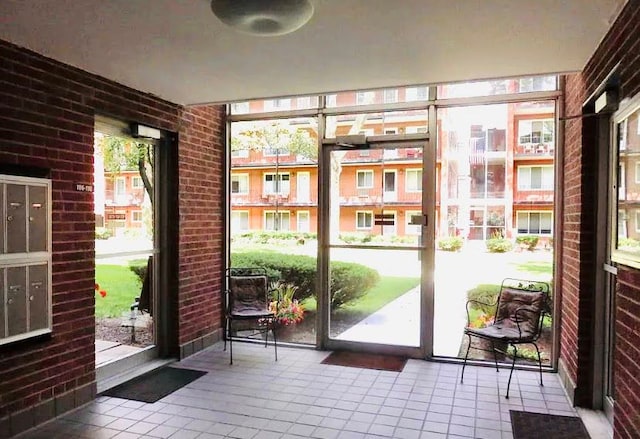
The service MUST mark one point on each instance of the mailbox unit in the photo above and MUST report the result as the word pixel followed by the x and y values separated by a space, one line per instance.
pixel 25 257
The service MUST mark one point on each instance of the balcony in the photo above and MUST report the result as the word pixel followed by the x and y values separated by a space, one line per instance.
pixel 533 151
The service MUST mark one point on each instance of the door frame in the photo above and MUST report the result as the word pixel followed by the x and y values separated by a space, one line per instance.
pixel 426 248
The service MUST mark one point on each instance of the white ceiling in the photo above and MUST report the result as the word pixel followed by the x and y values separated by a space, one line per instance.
pixel 178 50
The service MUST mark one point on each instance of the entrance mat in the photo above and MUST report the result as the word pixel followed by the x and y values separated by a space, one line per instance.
pixel 366 361
pixel 536 425
pixel 154 385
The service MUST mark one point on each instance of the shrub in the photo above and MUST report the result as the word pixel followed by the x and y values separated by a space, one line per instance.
pixel 139 268
pixel 265 237
pixel 499 245
pixel 102 233
pixel 349 281
pixel 486 293
pixel 628 242
pixel 356 238
pixel 450 244
pixel 529 241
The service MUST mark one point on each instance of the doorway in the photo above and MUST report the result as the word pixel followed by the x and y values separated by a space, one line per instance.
pixel 376 298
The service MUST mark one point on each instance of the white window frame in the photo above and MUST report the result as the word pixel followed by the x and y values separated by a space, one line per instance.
pixel 135 213
pixel 136 182
pixel 240 107
pixel 525 128
pixel 637 179
pixel 280 214
pixel 412 171
pixel 413 93
pixel 233 221
pixel 298 214
pixel 390 95
pixel 364 214
pixel 524 181
pixel 276 187
pixel 303 102
pixel 637 219
pixel 415 130
pixel 365 172
pixel 412 229
pixel 275 152
pixel 529 213
pixel 240 154
pixel 240 176
pixel 365 97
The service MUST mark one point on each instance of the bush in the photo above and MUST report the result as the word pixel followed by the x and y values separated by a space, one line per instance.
pixel 356 238
pixel 486 293
pixel 265 237
pixel 499 245
pixel 628 242
pixel 450 244
pixel 529 241
pixel 349 281
pixel 102 233
pixel 139 268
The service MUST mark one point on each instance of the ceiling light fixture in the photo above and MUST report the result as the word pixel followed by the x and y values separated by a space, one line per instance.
pixel 261 17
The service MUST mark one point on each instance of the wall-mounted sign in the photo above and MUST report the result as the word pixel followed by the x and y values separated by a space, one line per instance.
pixel 81 187
pixel 384 219
pixel 116 216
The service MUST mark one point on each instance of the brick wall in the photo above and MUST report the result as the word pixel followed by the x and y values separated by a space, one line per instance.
pixel 47 120
pixel 621 45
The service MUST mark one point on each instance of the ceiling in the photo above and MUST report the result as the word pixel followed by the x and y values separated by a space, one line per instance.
pixel 178 50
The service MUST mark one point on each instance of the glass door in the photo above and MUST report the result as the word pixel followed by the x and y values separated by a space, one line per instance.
pixel 376 254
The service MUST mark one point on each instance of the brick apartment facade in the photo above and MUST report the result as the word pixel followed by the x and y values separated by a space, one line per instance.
pixel 47 122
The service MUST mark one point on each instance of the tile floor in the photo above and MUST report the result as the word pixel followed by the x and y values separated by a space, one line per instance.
pixel 297 397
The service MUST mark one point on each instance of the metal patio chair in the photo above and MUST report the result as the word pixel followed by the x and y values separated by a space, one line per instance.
pixel 518 312
pixel 247 300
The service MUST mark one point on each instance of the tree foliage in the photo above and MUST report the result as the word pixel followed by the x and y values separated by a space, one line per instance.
pixel 276 136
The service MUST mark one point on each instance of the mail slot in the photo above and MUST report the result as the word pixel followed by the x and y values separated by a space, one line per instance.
pixel 38 297
pixel 16 293
pixel 3 300
pixel 16 218
pixel 37 219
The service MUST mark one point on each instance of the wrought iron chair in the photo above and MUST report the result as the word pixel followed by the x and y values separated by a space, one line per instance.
pixel 247 300
pixel 518 313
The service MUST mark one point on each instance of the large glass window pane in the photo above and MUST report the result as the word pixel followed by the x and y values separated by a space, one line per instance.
pixel 380 96
pixel 277 104
pixel 497 87
pixel 377 124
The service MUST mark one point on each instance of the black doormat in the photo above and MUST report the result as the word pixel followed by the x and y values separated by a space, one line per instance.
pixel 154 385
pixel 528 425
pixel 366 361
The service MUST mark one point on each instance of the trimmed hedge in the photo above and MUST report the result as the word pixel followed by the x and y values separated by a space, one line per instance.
pixel 349 281
pixel 499 245
pixel 486 293
pixel 529 241
pixel 450 244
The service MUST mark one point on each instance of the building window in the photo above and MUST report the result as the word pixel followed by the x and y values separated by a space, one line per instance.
pixel 239 221
pixel 136 216
pixel 120 190
pixel 414 180
pixel 136 182
pixel 535 178
pixel 390 95
pixel 364 220
pixel 364 179
pixel 240 184
pixel 537 83
pixel 534 223
pixel 273 152
pixel 240 108
pixel 417 93
pixel 276 184
pixel 415 130
pixel 412 229
pixel 277 104
pixel 364 97
pixel 274 221
pixel 239 154
pixel 535 131
pixel 303 102
pixel 304 223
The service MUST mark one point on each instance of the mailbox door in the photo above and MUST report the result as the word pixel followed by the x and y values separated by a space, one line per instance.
pixel 16 292
pixel 16 216
pixel 3 304
pixel 38 295
pixel 37 218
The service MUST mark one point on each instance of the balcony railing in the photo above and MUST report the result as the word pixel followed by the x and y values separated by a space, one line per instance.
pixel 537 150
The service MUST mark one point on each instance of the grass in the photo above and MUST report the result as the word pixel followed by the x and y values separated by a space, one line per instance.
pixel 385 291
pixel 536 267
pixel 122 287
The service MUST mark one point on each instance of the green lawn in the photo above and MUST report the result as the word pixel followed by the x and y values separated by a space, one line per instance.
pixel 122 287
pixel 536 267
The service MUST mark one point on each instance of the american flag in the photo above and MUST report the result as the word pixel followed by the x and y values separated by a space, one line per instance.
pixel 476 150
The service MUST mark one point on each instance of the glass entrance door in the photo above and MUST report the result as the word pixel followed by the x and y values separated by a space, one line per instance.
pixel 376 252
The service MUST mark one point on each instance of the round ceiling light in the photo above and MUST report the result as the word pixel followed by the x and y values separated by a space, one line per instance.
pixel 263 18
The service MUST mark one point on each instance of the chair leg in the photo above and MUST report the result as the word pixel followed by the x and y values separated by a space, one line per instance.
pixel 266 334
pixel 513 365
pixel 539 362
pixel 465 359
pixel 495 355
pixel 275 341
pixel 230 345
pixel 226 333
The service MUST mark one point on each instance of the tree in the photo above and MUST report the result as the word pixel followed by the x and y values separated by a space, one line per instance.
pixel 125 155
pixel 276 136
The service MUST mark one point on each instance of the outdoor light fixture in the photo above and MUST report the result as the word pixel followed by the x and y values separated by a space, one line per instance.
pixel 261 17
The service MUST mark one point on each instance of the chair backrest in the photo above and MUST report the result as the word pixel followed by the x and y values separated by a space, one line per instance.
pixel 247 290
pixel 522 304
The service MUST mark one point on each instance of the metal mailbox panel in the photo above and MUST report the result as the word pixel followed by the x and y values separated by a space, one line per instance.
pixel 3 304
pixel 37 218
pixel 16 290
pixel 38 295
pixel 16 216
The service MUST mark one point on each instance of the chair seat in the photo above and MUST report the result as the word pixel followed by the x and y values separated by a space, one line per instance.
pixel 500 332
pixel 251 314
